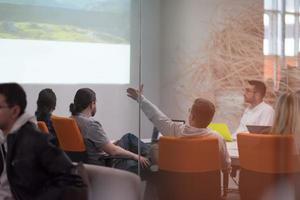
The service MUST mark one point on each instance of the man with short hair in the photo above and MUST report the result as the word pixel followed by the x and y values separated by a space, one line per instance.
pixel 258 112
pixel 29 164
pixel 96 140
pixel 200 116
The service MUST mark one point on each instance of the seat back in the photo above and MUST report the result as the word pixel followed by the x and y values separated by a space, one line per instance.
pixel 189 154
pixel 269 167
pixel 43 127
pixel 267 153
pixel 70 138
pixel 186 165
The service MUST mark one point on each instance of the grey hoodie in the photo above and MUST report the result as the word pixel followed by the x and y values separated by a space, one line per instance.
pixel 167 127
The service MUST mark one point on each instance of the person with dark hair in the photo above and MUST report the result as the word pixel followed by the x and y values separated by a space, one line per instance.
pixel 258 112
pixel 29 164
pixel 200 116
pixel 46 103
pixel 96 140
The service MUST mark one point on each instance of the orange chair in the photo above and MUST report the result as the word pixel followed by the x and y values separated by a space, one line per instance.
pixel 71 141
pixel 189 168
pixel 69 138
pixel 43 127
pixel 269 167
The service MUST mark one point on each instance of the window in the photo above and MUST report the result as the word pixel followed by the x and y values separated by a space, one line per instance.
pixel 281 25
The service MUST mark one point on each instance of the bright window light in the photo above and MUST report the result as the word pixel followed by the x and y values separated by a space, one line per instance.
pixel 289 19
pixel 289 47
pixel 266 47
pixel 266 20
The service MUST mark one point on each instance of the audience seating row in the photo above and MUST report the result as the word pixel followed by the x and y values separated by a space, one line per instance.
pixel 104 183
pixel 190 167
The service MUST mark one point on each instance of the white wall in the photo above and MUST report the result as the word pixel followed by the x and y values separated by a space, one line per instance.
pixel 184 29
pixel 117 113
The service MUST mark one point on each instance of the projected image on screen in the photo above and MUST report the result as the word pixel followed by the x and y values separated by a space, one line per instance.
pixel 65 41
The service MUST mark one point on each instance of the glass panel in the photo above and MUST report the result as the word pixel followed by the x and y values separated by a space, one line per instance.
pixel 289 46
pixel 227 58
pixel 89 32
pixel 279 4
pixel 267 33
pixel 266 47
pixel 289 19
pixel 268 4
pixel 290 5
pixel 266 20
pixel 279 34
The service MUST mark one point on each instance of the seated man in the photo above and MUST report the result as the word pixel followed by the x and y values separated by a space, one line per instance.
pixel 258 112
pixel 96 140
pixel 201 114
pixel 30 166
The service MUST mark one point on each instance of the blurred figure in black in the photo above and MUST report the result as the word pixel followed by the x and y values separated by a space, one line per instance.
pixel 46 104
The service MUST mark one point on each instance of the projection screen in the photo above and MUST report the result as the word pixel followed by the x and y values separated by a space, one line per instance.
pixel 65 41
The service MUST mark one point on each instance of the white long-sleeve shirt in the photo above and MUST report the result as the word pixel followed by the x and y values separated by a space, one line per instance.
pixel 169 128
pixel 260 115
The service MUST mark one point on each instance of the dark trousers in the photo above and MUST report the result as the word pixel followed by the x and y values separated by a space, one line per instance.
pixel 130 142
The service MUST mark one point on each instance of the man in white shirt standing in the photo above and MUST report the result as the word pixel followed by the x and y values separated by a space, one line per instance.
pixel 258 112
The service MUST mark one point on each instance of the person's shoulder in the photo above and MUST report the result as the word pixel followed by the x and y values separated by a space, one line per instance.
pixel 267 107
pixel 29 127
pixel 87 121
pixel 94 123
pixel 82 119
pixel 215 134
pixel 31 131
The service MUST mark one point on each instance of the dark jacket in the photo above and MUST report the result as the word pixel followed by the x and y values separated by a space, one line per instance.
pixel 32 163
pixel 46 117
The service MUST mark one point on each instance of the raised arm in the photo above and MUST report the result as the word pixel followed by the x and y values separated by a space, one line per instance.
pixel 163 123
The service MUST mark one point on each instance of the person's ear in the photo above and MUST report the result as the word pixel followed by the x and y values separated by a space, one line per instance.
pixel 92 104
pixel 15 112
